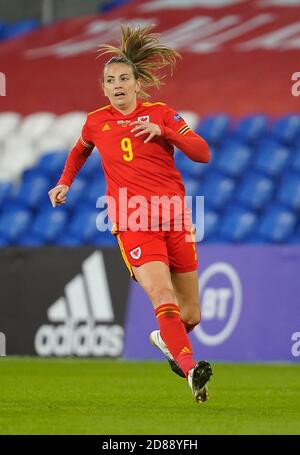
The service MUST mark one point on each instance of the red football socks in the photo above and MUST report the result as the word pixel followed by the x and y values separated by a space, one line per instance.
pixel 174 334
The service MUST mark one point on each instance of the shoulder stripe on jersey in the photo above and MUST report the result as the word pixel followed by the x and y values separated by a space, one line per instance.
pixel 100 109
pixel 186 131
pixel 86 144
pixel 182 128
pixel 147 103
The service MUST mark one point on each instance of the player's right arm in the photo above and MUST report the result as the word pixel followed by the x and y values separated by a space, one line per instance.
pixel 75 160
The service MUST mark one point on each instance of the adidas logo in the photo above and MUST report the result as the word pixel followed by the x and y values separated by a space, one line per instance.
pixel 106 127
pixel 82 322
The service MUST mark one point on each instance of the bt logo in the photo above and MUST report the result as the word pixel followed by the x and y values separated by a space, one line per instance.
pixel 295 350
pixel 221 303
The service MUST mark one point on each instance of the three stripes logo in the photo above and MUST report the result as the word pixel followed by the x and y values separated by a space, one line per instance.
pixel 82 322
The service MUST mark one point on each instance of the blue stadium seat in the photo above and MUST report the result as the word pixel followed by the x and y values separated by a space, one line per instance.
pixel 211 225
pixel 295 164
pixel 295 238
pixel 76 193
pixel 213 128
pixel 251 127
pixel 277 224
pixel 92 166
pixel 105 7
pixel 21 27
pixel 94 189
pixel 237 224
pixel 189 168
pixel 13 223
pixel 233 158
pixel 3 241
pixel 192 186
pixel 217 190
pixel 289 191
pixel 83 225
pixel 5 191
pixel 287 129
pixel 49 224
pixel 51 164
pixel 30 240
pixel 104 239
pixel 33 191
pixel 271 158
pixel 2 29
pixel 69 240
pixel 255 191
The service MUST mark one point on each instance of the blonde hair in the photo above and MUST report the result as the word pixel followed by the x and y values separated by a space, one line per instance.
pixel 144 52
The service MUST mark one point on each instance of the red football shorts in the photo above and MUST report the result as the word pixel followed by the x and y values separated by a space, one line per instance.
pixel 177 249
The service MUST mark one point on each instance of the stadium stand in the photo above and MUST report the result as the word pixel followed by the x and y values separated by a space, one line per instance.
pixel 251 186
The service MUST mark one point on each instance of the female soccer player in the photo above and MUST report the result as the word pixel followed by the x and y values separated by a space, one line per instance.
pixel 136 141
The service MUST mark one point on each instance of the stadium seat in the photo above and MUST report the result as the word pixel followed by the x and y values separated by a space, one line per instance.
pixel 217 190
pixel 5 191
pixel 69 240
pixel 189 168
pixel 52 164
pixel 48 224
pixel 295 163
pixel 92 166
pixel 255 191
pixel 104 239
pixel 4 242
pixel 213 127
pixel 95 188
pixel 287 128
pixel 289 191
pixel 237 224
pixel 83 225
pixel 191 118
pixel 20 27
pixel 51 142
pixel 192 187
pixel 14 223
pixel 2 29
pixel 277 224
pixel 293 239
pixel 211 224
pixel 18 154
pixel 233 158
pixel 251 127
pixel 68 126
pixel 33 191
pixel 9 122
pixel 76 192
pixel 35 125
pixel 271 158
pixel 30 240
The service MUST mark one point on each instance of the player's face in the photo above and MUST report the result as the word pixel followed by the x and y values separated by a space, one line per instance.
pixel 120 86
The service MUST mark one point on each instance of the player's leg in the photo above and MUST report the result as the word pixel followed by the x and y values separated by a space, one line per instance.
pixel 186 288
pixel 182 255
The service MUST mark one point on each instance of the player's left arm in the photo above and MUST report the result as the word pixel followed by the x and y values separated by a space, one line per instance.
pixel 176 131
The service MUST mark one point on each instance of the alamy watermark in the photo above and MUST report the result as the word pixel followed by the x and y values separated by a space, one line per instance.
pixel 2 345
pixel 166 213
pixel 2 84
pixel 295 89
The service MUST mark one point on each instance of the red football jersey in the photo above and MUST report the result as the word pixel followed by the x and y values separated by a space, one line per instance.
pixel 143 170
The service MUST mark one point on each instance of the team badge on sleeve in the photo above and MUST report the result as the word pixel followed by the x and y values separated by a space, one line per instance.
pixel 136 253
pixel 177 117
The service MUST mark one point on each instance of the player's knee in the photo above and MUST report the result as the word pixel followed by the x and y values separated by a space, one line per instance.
pixel 162 294
pixel 192 319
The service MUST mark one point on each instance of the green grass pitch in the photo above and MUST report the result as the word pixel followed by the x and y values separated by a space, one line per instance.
pixel 74 396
